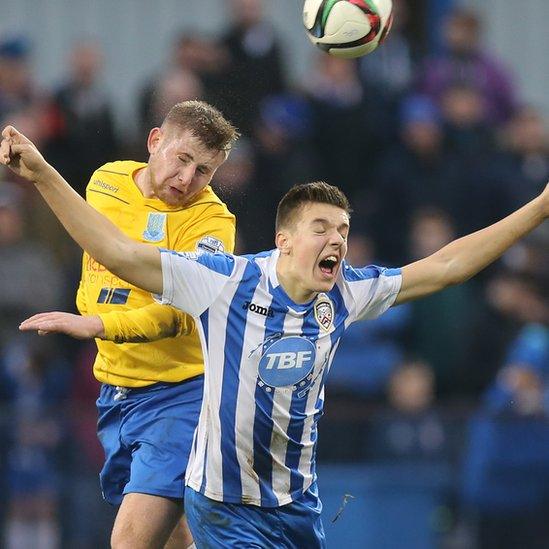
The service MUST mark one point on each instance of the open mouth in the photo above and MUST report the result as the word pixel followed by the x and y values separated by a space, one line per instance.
pixel 328 264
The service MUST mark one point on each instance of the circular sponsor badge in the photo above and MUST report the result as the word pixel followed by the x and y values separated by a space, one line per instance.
pixel 287 361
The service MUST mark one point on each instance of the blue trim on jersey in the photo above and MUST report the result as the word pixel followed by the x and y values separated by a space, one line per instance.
pixel 282 297
pixel 232 482
pixel 218 262
pixel 263 423
pixel 352 274
pixel 260 255
pixel 204 322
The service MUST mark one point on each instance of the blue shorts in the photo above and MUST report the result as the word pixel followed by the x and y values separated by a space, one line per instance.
pixel 147 435
pixel 295 525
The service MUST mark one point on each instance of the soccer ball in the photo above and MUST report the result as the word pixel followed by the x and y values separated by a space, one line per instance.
pixel 347 28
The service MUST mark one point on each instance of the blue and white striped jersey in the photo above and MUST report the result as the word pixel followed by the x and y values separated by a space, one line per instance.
pixel 266 361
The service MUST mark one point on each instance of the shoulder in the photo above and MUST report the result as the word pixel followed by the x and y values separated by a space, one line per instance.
pixel 112 176
pixel 209 198
pixel 120 167
pixel 219 262
pixel 370 272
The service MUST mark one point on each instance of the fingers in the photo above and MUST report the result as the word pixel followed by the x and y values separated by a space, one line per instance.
pixel 8 131
pixel 48 322
pixel 11 134
pixel 13 143
pixel 5 152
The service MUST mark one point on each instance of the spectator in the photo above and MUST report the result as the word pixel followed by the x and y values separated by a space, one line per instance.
pixel 254 69
pixel 29 276
pixel 192 72
pixel 463 62
pixel 410 430
pixel 17 87
pixel 446 344
pixel 523 165
pixel 282 137
pixel 506 472
pixel 415 172
pixel 173 87
pixel 236 184
pixel 341 113
pixel 82 134
pixel 37 384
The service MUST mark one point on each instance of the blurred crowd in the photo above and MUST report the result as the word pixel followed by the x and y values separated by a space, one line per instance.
pixel 428 145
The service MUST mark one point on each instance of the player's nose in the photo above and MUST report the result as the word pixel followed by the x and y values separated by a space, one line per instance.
pixel 337 239
pixel 186 175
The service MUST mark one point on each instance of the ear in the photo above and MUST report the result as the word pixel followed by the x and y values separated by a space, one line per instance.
pixel 283 242
pixel 154 139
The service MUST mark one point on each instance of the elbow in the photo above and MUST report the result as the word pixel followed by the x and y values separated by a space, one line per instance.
pixel 455 273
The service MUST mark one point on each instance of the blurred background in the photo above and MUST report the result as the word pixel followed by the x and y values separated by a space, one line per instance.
pixel 435 433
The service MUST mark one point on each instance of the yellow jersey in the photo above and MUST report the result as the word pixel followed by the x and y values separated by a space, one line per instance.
pixel 165 344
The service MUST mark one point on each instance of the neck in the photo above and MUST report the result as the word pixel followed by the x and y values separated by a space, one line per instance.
pixel 296 292
pixel 142 179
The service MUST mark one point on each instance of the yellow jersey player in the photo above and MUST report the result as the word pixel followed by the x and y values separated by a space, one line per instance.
pixel 151 393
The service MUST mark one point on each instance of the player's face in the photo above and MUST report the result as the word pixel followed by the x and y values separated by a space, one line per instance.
pixel 316 246
pixel 180 166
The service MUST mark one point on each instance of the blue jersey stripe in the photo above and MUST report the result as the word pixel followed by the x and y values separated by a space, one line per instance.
pixel 218 262
pixel 204 320
pixel 298 407
pixel 353 274
pixel 234 341
pixel 263 423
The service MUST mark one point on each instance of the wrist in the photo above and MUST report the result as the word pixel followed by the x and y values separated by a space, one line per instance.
pixel 44 175
pixel 96 327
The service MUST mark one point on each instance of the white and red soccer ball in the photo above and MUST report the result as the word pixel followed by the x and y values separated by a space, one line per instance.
pixel 347 28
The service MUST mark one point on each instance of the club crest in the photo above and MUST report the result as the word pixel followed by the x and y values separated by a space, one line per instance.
pixel 324 312
pixel 155 231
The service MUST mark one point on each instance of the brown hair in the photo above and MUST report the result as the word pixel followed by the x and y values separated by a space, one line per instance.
pixel 205 122
pixel 299 195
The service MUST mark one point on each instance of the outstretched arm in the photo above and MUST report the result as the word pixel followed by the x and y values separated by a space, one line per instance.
pixel 149 323
pixel 465 257
pixel 135 262
pixel 57 322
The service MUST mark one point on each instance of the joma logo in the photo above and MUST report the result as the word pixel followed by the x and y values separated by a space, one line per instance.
pixel 259 309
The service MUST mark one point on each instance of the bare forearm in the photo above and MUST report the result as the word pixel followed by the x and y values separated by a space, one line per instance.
pixel 91 230
pixel 467 256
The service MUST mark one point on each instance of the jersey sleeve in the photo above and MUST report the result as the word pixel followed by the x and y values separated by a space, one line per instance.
pixel 373 289
pixel 148 323
pixel 192 281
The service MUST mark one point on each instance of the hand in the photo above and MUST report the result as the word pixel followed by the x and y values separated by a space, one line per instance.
pixel 79 327
pixel 21 155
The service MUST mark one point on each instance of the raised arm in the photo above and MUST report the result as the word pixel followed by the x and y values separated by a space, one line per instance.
pixel 132 261
pixel 465 257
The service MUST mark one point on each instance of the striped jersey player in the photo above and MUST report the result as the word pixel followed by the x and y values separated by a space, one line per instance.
pixel 266 362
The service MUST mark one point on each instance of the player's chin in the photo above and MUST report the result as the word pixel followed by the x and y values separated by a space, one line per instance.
pixel 325 284
pixel 175 199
